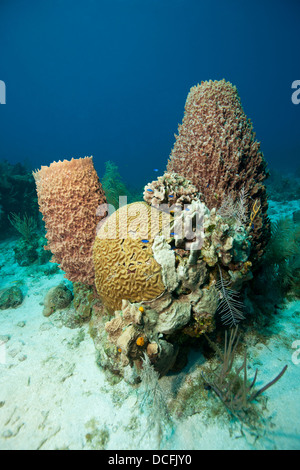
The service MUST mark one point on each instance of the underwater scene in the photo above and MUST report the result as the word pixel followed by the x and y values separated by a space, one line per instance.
pixel 149 227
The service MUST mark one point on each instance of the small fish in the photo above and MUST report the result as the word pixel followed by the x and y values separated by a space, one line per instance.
pixel 170 195
pixel 145 241
pixel 155 169
pixel 150 190
pixel 252 226
pixel 187 209
pixel 208 185
pixel 172 233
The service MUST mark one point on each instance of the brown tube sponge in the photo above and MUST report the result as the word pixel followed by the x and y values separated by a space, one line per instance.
pixel 217 151
pixel 69 194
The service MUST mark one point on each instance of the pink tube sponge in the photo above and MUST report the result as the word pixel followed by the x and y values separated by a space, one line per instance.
pixel 69 194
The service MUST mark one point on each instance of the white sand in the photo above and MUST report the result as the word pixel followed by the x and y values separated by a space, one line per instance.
pixel 54 396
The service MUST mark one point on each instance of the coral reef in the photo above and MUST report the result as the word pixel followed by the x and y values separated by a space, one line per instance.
pixel 216 150
pixel 29 249
pixel 283 256
pixel 170 189
pixel 31 252
pixel 84 302
pixel 296 217
pixel 69 194
pixel 161 290
pixel 165 269
pixel 57 298
pixel 17 193
pixel 225 241
pixel 283 187
pixel 278 277
pixel 25 225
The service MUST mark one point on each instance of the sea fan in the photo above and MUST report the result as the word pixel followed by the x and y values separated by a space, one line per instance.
pixel 229 307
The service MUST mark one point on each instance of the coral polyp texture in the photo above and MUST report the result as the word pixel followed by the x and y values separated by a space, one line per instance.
pixel 170 189
pixel 69 194
pixel 217 151
pixel 166 267
pixel 125 267
pixel 158 276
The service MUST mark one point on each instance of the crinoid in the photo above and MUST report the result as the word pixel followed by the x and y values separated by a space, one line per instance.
pixel 235 209
pixel 230 307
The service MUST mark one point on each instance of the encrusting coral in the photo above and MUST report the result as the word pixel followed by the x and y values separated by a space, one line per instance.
pixel 216 150
pixel 57 298
pixel 158 276
pixel 171 189
pixel 69 194
pixel 11 297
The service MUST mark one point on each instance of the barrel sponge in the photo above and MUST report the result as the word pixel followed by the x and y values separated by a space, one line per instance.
pixel 69 194
pixel 125 267
pixel 217 151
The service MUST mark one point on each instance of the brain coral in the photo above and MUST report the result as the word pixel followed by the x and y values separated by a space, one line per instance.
pixel 124 264
pixel 69 194
pixel 217 151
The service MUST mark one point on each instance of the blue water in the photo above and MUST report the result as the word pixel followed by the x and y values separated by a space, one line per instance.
pixel 109 78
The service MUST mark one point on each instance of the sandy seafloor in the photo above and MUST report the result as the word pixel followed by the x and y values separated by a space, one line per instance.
pixel 53 395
